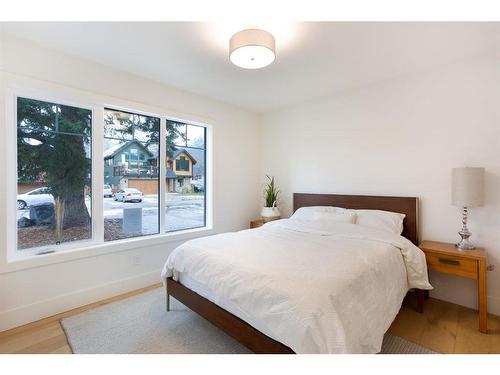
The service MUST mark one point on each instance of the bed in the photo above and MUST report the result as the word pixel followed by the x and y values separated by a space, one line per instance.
pixel 293 287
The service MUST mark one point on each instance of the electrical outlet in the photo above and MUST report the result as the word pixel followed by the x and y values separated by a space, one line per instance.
pixel 491 267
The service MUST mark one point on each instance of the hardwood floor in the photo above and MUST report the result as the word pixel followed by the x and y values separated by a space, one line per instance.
pixel 443 327
pixel 447 328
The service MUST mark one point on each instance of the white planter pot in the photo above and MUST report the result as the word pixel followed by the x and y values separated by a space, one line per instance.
pixel 270 214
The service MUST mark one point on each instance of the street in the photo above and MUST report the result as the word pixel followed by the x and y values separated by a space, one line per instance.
pixel 182 211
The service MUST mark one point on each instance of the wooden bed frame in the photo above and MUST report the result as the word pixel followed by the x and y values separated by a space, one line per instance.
pixel 250 337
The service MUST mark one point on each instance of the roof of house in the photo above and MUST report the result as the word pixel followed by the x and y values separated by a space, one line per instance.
pixel 183 150
pixel 116 149
pixel 111 151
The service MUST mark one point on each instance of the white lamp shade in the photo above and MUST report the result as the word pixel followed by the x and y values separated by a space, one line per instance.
pixel 252 49
pixel 467 187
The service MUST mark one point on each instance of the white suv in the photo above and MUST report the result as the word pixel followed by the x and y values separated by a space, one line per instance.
pixel 37 196
pixel 129 195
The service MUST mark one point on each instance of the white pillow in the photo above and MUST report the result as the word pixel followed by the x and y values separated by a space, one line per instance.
pixel 324 214
pixel 307 213
pixel 337 217
pixel 383 220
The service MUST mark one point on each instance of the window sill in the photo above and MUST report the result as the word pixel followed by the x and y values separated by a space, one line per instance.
pixel 91 249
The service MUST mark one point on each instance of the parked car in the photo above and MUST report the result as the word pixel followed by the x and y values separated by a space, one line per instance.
pixel 129 195
pixel 108 193
pixel 198 186
pixel 37 196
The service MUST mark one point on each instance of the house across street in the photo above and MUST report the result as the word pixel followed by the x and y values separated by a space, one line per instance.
pixel 133 165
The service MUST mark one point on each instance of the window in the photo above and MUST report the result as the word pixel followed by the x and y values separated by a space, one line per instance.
pixel 185 197
pixel 133 210
pixel 53 173
pixel 182 164
pixel 153 182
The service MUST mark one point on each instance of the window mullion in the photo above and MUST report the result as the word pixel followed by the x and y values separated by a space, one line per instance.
pixel 162 172
pixel 98 174
pixel 11 173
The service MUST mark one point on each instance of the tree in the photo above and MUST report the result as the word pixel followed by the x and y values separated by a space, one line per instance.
pixel 176 132
pixel 146 129
pixel 53 147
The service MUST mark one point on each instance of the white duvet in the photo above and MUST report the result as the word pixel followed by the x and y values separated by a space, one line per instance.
pixel 316 291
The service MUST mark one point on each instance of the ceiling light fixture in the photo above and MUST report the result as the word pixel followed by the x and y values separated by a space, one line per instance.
pixel 252 49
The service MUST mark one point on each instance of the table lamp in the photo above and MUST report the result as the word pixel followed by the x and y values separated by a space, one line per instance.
pixel 467 190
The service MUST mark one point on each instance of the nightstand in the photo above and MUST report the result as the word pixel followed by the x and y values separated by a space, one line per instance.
pixel 444 257
pixel 256 223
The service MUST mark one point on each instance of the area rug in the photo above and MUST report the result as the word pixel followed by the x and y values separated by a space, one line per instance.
pixel 140 324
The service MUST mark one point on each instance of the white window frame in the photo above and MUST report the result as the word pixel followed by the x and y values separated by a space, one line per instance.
pixel 15 259
pixel 208 177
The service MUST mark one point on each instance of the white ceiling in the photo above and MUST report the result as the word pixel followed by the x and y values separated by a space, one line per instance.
pixel 314 59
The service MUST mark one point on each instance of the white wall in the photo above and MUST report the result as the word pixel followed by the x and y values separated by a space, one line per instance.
pixel 33 293
pixel 401 137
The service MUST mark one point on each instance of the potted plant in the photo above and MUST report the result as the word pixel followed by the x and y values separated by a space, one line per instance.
pixel 270 211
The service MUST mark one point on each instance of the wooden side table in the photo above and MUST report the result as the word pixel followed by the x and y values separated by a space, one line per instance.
pixel 256 223
pixel 446 258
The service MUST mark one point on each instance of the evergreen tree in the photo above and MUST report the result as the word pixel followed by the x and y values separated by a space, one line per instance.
pixel 54 147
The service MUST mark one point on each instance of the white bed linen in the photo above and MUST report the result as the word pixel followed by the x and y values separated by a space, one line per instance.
pixel 334 291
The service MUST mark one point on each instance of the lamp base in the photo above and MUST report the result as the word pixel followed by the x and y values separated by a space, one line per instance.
pixel 465 243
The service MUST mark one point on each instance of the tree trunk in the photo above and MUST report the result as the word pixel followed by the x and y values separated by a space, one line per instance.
pixel 76 213
pixel 59 215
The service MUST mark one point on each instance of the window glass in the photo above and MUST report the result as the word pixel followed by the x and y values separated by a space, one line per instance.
pixel 185 176
pixel 53 173
pixel 195 136
pixel 132 210
pixel 176 134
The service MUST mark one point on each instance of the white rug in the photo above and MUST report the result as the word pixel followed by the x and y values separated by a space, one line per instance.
pixel 140 324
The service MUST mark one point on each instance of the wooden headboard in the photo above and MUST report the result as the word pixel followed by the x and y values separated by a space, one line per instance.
pixel 404 205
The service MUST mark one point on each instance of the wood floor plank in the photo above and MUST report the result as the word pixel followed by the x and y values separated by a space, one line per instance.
pixel 62 350
pixel 494 334
pixel 440 331
pixel 409 324
pixel 15 343
pixel 45 346
pixel 469 339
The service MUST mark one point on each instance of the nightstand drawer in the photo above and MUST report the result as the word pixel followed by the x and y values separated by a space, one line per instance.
pixel 453 265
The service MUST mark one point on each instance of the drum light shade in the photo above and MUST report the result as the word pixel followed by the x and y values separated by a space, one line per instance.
pixel 252 49
pixel 467 187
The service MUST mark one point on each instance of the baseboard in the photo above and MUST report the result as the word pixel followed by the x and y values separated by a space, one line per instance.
pixel 43 309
